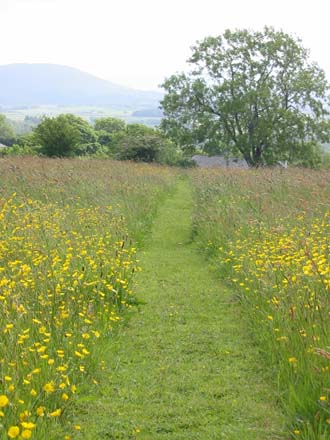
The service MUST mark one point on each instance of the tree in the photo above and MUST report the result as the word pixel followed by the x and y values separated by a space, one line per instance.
pixel 110 125
pixel 61 136
pixel 250 93
pixel 7 134
pixel 140 143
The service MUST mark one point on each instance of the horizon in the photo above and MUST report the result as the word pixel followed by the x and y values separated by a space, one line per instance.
pixel 139 45
pixel 77 69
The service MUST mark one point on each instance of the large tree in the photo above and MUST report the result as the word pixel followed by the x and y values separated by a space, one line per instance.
pixel 249 93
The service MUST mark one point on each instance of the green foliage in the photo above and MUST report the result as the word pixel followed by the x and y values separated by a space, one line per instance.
pixel 20 150
pixel 63 135
pixel 108 130
pixel 250 93
pixel 7 134
pixel 140 143
pixel 110 125
pixel 325 160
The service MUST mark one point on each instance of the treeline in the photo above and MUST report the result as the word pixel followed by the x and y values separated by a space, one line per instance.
pixel 68 135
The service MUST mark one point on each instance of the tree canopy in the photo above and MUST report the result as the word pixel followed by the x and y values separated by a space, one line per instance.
pixel 141 143
pixel 7 133
pixel 110 125
pixel 62 135
pixel 250 93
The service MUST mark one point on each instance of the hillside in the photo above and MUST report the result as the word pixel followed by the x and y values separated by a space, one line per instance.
pixel 51 84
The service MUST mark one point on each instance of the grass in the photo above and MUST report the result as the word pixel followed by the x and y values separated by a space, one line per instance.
pixel 67 262
pixel 236 347
pixel 267 233
pixel 183 367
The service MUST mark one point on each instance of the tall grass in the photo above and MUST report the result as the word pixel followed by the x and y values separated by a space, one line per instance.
pixel 268 232
pixel 68 234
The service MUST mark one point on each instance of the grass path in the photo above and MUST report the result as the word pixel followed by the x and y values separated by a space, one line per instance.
pixel 183 367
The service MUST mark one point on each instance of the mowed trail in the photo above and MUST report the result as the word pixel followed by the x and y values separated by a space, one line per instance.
pixel 184 366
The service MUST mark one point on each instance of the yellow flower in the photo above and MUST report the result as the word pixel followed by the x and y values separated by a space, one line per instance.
pixel 26 434
pixel 24 415
pixel 77 427
pixel 292 360
pixel 3 401
pixel 41 411
pixel 28 425
pixel 49 387
pixel 13 432
pixel 323 398
pixel 55 413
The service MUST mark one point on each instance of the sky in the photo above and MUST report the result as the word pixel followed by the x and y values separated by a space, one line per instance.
pixel 137 43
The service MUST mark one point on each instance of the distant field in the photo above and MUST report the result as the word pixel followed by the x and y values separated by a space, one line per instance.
pixel 89 113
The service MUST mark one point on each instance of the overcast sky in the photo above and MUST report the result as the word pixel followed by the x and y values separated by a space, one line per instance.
pixel 140 42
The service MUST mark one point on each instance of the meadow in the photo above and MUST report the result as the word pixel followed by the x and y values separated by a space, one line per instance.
pixel 267 234
pixel 68 237
pixel 71 232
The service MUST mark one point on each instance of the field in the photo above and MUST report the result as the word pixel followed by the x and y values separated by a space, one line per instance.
pixel 76 310
pixel 90 113
pixel 267 233
pixel 67 261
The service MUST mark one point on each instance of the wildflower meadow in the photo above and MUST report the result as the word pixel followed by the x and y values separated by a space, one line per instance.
pixel 267 233
pixel 68 237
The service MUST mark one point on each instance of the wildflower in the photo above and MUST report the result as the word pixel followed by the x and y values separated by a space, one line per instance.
pixel 41 411
pixel 28 425
pixel 26 434
pixel 49 387
pixel 13 432
pixel 3 401
pixel 56 413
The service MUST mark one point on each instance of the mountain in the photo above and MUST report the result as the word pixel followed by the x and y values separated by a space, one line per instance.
pixel 52 84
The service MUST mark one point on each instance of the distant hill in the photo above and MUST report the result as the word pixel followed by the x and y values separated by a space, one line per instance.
pixel 52 84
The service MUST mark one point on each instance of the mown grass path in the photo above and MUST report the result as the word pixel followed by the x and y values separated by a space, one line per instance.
pixel 184 367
